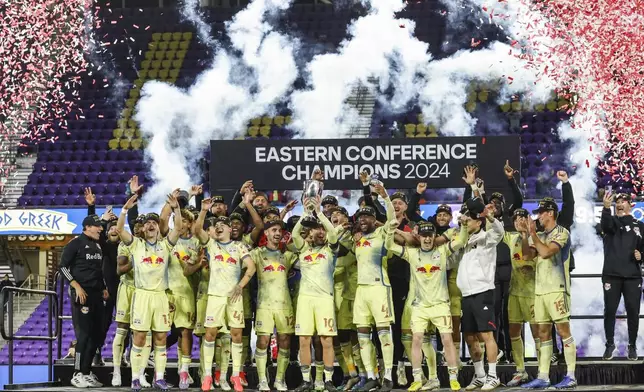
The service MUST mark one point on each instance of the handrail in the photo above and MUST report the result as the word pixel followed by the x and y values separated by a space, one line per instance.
pixel 52 333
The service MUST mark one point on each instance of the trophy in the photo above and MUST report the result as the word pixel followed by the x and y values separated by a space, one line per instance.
pixel 312 189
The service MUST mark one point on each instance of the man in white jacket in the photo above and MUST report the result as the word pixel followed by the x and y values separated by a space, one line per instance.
pixel 476 282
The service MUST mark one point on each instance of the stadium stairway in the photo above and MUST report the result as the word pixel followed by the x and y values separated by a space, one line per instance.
pixel 24 307
pixel 363 100
pixel 17 181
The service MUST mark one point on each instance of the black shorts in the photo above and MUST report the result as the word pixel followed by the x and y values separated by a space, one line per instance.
pixel 478 313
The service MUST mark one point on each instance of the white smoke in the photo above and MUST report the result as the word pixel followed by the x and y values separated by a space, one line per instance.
pixel 243 82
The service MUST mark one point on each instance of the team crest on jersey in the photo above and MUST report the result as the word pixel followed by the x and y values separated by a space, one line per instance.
pixel 84 310
pixel 607 286
pixel 258 323
pixel 210 319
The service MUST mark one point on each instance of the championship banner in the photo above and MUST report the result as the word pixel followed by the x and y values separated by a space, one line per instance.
pixel 399 163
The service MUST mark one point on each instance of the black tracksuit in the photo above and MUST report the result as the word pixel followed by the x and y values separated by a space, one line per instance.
pixel 621 274
pixel 82 261
pixel 503 269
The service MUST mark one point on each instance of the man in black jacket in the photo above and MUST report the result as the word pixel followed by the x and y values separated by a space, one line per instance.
pixel 82 265
pixel 622 269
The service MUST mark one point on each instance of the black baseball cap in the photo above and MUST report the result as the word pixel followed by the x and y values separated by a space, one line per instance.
pixel 153 216
pixel 140 219
pixel 92 220
pixel 473 207
pixel 426 229
pixel 223 219
pixel 623 196
pixel 329 200
pixel 291 222
pixel 274 222
pixel 271 210
pixel 237 216
pixel 369 211
pixel 497 196
pixel 399 195
pixel 311 222
pixel 218 199
pixel 444 208
pixel 342 210
pixel 520 212
pixel 547 204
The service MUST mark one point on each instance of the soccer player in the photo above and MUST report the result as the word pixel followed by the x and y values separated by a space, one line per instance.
pixel 226 259
pixel 551 250
pixel 150 309
pixel 476 281
pixel 373 295
pixel 346 272
pixel 274 307
pixel 181 295
pixel 315 307
pixel 430 304
pixel 521 301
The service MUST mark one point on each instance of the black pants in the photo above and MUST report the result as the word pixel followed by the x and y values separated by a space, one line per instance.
pixel 614 288
pixel 399 291
pixel 108 317
pixel 502 335
pixel 88 326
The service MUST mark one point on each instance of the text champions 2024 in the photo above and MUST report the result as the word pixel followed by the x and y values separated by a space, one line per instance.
pixel 346 162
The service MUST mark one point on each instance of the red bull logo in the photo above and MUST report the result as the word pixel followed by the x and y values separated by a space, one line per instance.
pixel 182 256
pixel 364 243
pixel 428 269
pixel 231 260
pixel 320 256
pixel 146 260
pixel 274 267
pixel 308 258
pixel 219 258
pixel 516 256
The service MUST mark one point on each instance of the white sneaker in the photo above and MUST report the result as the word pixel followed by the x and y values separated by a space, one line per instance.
pixel 263 386
pixel 223 384
pixel 518 378
pixel 92 381
pixel 79 380
pixel 280 385
pixel 491 383
pixel 116 378
pixel 476 383
pixel 143 378
pixel 401 375
pixel 431 385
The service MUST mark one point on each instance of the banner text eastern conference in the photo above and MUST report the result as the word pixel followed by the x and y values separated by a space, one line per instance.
pixel 416 152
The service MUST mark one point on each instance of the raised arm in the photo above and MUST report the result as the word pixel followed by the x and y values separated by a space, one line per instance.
pixel 125 235
pixel 390 243
pixel 200 233
pixel 164 218
pixel 173 236
pixel 607 223
pixel 297 238
pixel 331 234
pixel 493 227
pixel 459 241
pixel 90 199
pixel 517 196
pixel 382 192
pixel 287 208
pixel 258 223
pixel 414 200
pixel 567 214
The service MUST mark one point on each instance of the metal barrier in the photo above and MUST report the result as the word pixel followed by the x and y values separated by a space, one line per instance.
pixel 52 333
pixel 59 288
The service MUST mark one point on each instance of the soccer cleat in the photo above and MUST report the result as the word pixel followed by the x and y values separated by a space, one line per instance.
pixel 537 383
pixel 401 376
pixel 161 385
pixel 305 386
pixel 360 385
pixel 329 387
pixel 92 381
pixel 351 382
pixel 144 381
pixel 518 378
pixel 184 382
pixel 477 382
pixel 217 378
pixel 431 385
pixel 116 378
pixel 236 381
pixel 370 385
pixel 387 385
pixel 454 385
pixel 224 386
pixel 263 386
pixel 242 377
pixel 280 385
pixel 319 385
pixel 632 353
pixel 206 383
pixel 79 380
pixel 609 352
pixel 415 386
pixel 136 385
pixel 566 383
pixel 491 383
